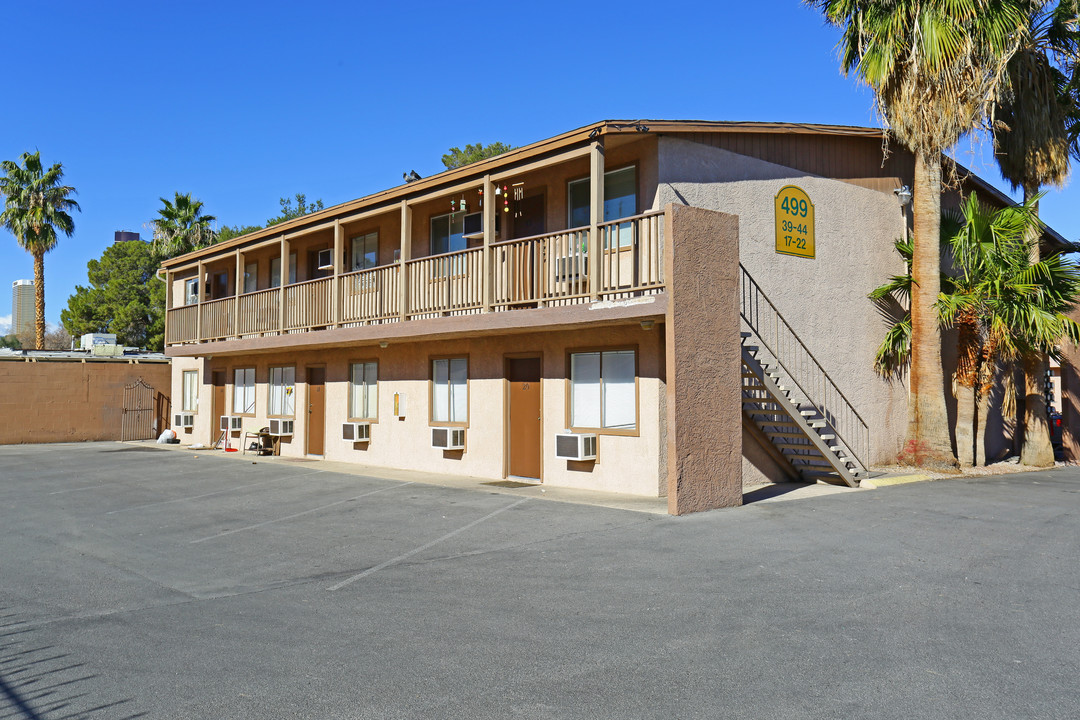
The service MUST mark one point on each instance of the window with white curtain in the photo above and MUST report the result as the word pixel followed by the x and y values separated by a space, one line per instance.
pixel 243 399
pixel 364 390
pixel 190 397
pixel 282 390
pixel 603 391
pixel 449 390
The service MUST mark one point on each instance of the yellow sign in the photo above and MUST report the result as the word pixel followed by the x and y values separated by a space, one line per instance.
pixel 794 222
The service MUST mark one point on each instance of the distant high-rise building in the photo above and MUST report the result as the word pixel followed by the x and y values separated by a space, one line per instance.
pixel 125 236
pixel 22 306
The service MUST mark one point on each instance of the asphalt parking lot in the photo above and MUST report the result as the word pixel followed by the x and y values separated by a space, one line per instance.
pixel 137 582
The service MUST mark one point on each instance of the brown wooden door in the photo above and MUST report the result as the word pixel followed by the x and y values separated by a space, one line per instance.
pixel 217 377
pixel 316 419
pixel 529 217
pixel 523 375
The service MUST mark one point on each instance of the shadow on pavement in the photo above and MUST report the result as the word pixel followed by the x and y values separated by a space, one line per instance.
pixel 42 681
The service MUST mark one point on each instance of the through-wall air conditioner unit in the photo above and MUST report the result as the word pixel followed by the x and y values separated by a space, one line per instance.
pixel 280 427
pixel 575 446
pixel 236 424
pixel 184 420
pixel 326 259
pixel 226 423
pixel 356 432
pixel 446 438
pixel 569 268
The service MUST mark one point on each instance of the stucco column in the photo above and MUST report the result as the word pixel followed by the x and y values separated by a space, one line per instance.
pixel 704 397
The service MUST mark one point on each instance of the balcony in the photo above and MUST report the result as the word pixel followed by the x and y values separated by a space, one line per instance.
pixel 547 270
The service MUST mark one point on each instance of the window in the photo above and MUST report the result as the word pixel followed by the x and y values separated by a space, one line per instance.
pixel 450 390
pixel 364 391
pixel 243 399
pixel 275 270
pixel 251 277
pixel 603 392
pixel 620 200
pixel 448 233
pixel 191 291
pixel 365 251
pixel 190 398
pixel 282 388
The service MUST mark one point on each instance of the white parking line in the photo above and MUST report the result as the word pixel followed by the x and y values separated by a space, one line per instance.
pixel 209 494
pixel 296 515
pixel 423 547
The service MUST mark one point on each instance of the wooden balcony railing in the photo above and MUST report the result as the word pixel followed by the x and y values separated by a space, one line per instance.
pixel 447 284
pixel 370 295
pixel 542 268
pixel 549 269
pixel 217 319
pixel 307 304
pixel 181 325
pixel 259 312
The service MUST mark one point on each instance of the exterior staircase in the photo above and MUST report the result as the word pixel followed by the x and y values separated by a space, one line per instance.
pixel 790 404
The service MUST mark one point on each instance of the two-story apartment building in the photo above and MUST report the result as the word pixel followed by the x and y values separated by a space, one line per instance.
pixel 495 319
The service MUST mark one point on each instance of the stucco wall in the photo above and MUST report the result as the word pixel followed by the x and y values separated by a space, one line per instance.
pixel 628 464
pixel 65 401
pixel 824 299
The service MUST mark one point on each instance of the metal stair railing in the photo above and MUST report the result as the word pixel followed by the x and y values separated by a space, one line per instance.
pixel 802 368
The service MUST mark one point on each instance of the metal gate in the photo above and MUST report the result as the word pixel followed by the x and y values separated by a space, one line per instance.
pixel 145 412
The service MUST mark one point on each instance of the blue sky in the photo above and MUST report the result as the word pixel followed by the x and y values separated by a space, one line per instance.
pixel 244 103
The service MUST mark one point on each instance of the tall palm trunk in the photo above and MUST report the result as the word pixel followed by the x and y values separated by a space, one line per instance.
pixel 965 425
pixel 39 298
pixel 1037 449
pixel 928 441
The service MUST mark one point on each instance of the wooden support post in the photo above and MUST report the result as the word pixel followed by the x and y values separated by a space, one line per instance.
pixel 283 280
pixel 405 255
pixel 489 237
pixel 596 215
pixel 335 288
pixel 238 289
pixel 200 289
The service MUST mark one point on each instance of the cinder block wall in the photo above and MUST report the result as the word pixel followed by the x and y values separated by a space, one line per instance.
pixel 69 401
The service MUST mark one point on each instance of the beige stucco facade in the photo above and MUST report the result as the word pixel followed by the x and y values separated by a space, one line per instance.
pixel 625 463
pixel 667 282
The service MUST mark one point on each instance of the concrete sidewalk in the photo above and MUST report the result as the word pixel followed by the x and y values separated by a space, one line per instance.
pixel 617 501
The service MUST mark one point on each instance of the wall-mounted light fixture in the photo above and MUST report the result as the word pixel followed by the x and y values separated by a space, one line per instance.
pixel 903 194
pixel 383 343
pixel 647 324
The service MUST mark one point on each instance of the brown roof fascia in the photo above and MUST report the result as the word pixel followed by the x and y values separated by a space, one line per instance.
pixel 518 155
pixel 547 147
pixel 395 194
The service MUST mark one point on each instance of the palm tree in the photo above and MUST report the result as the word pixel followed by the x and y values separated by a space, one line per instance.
pixel 935 67
pixel 181 227
pixel 1001 302
pixel 1011 309
pixel 36 205
pixel 1036 133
